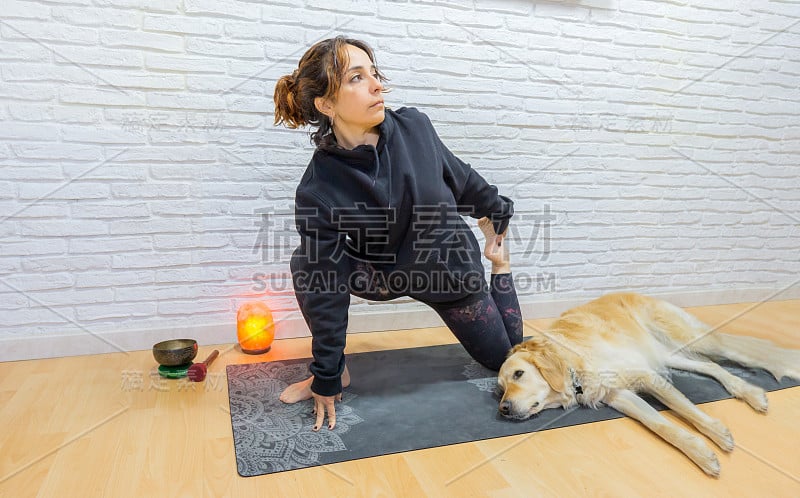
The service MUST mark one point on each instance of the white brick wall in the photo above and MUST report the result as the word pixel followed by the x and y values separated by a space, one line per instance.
pixel 138 153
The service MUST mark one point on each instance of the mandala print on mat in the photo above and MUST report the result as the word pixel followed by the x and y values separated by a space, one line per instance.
pixel 272 436
pixel 480 376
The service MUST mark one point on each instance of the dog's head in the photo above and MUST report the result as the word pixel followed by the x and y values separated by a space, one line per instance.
pixel 532 379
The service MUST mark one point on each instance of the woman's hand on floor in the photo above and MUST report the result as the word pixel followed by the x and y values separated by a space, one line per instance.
pixel 323 404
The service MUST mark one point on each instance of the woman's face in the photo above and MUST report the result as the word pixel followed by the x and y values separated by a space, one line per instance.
pixel 359 101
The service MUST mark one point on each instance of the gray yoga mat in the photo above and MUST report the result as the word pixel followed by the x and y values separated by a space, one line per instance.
pixel 401 400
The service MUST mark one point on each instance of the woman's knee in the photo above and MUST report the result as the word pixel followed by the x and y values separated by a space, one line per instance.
pixel 493 363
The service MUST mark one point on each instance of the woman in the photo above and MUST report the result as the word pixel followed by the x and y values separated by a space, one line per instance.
pixel 379 211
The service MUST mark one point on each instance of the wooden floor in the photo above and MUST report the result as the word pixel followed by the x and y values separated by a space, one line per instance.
pixel 95 426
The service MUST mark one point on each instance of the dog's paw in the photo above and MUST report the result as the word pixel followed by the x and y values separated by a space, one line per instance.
pixel 704 457
pixel 721 436
pixel 712 467
pixel 756 398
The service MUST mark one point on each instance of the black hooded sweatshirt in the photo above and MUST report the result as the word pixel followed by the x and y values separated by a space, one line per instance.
pixel 398 206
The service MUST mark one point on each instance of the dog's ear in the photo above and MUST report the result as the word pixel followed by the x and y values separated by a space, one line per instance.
pixel 541 354
pixel 552 368
pixel 532 345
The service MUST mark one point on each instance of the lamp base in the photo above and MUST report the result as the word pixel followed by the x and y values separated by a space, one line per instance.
pixel 256 351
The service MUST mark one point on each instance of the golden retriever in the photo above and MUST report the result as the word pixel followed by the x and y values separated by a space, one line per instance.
pixel 606 351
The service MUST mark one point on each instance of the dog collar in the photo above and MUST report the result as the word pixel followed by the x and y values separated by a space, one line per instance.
pixel 576 384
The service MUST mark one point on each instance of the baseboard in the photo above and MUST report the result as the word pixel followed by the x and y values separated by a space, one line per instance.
pixel 400 315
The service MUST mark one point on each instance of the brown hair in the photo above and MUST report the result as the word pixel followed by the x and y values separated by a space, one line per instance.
pixel 319 74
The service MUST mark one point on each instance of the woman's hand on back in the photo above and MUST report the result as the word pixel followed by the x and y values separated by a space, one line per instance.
pixel 496 249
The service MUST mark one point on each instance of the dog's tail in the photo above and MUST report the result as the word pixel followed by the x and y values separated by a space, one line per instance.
pixel 752 352
pixel 688 335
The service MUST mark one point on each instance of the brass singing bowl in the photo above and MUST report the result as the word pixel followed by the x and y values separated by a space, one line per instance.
pixel 175 352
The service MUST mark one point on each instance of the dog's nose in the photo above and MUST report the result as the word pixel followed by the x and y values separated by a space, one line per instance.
pixel 505 407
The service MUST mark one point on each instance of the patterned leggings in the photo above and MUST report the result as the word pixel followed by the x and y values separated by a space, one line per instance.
pixel 489 326
pixel 486 324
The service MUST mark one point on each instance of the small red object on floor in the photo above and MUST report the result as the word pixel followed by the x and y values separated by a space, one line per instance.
pixel 197 372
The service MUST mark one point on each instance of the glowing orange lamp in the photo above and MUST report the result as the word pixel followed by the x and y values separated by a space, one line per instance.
pixel 255 329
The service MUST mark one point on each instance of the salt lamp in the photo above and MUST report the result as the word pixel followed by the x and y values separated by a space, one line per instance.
pixel 255 329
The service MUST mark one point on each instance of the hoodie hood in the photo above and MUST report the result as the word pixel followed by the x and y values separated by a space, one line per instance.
pixel 363 157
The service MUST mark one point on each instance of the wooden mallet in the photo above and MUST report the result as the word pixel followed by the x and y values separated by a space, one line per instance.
pixel 197 372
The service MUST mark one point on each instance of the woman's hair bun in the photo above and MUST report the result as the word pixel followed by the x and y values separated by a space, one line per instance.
pixel 286 109
pixel 319 74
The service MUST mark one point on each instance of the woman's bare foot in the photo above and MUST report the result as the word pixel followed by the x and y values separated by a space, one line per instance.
pixel 300 391
pixel 497 254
